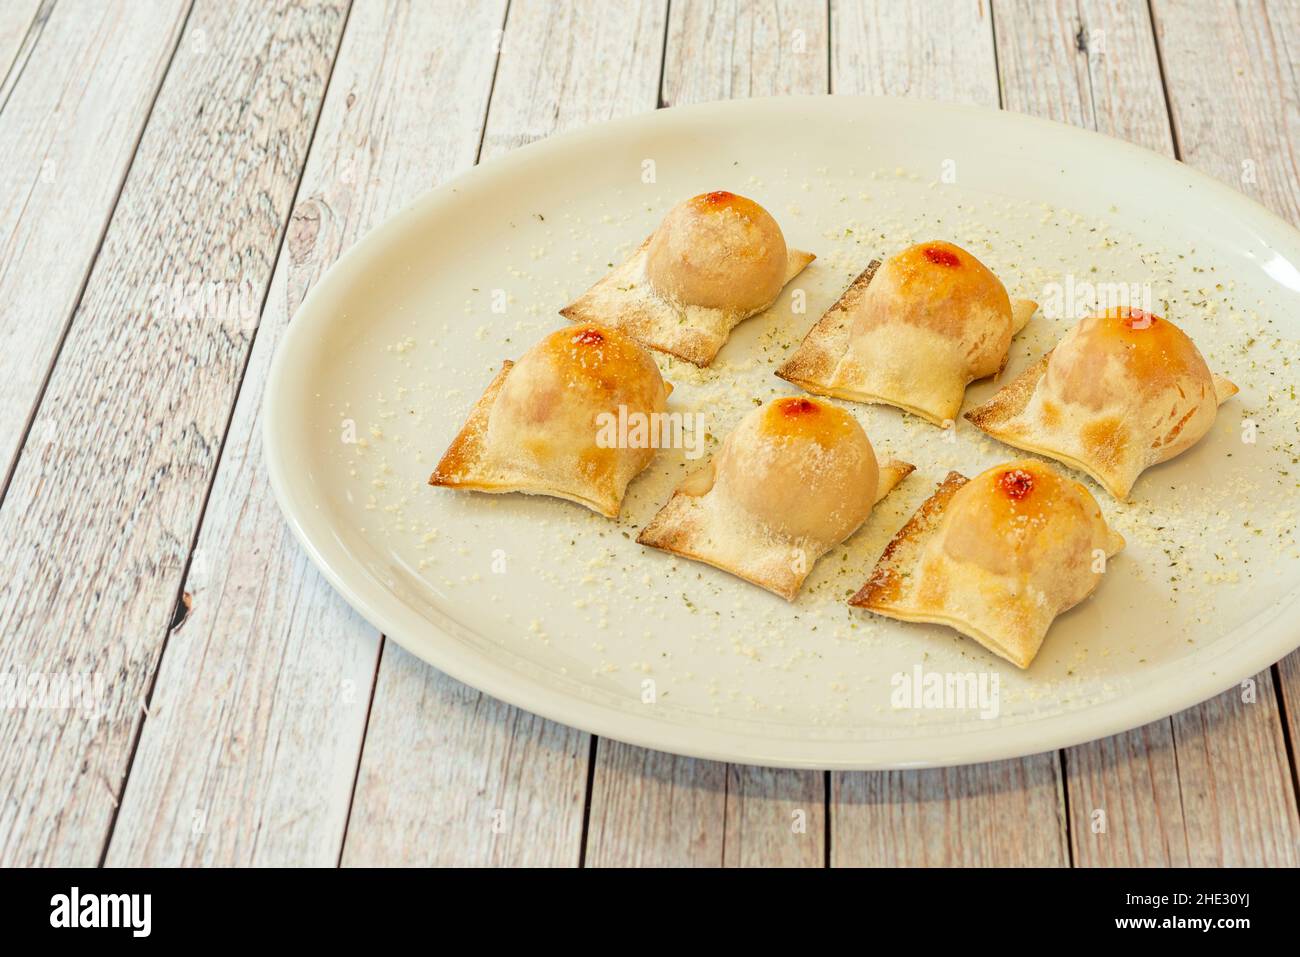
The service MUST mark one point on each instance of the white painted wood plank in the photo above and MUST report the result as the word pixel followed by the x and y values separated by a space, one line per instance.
pixel 1236 781
pixel 726 49
pixel 272 670
pixel 1091 63
pixel 106 498
pixel 73 108
pixel 473 781
pixel 1005 813
pixel 775 818
pixel 449 776
pixel 648 807
pixel 1233 76
pixel 1123 71
pixel 651 809
pixel 570 63
pixel 1126 805
pixel 18 22
pixel 941 50
pixel 1288 677
pixel 1207 788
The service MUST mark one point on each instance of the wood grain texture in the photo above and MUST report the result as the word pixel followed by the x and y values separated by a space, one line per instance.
pixel 100 518
pixel 471 781
pixel 1008 814
pixel 1288 681
pixel 725 49
pixel 775 818
pixel 65 148
pixel 272 670
pixel 1126 803
pixel 1235 781
pixel 941 50
pixel 1090 63
pixel 652 809
pixel 21 22
pixel 1012 812
pixel 518 799
pixel 648 807
pixel 569 64
pixel 1231 71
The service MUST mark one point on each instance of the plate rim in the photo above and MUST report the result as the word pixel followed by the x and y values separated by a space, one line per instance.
pixel 1267 643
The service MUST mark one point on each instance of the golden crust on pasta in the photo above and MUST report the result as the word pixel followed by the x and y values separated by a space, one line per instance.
pixel 715 260
pixel 1121 392
pixel 997 557
pixel 912 332
pixel 537 429
pixel 796 477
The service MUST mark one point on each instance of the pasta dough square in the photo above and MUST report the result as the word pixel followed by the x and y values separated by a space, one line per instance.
pixel 537 427
pixel 716 260
pixel 794 479
pixel 912 332
pixel 1121 392
pixel 997 558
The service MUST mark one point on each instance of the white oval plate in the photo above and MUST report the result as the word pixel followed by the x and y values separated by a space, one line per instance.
pixel 547 606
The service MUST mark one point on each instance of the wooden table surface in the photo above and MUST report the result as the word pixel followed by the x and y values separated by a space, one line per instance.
pixel 178 173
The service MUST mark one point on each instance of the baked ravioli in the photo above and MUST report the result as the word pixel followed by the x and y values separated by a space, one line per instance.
pixel 795 478
pixel 1121 392
pixel 540 428
pixel 715 260
pixel 996 557
pixel 912 332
